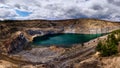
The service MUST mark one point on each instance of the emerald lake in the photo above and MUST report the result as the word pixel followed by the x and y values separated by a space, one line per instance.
pixel 65 40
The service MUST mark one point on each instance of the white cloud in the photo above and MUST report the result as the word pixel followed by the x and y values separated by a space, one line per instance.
pixel 7 13
pixel 61 9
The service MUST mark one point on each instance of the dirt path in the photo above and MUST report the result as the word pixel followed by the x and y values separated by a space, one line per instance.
pixel 81 55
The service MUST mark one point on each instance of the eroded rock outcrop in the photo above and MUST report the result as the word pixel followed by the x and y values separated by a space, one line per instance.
pixel 17 44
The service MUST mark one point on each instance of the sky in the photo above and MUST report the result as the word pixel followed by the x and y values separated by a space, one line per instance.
pixel 59 9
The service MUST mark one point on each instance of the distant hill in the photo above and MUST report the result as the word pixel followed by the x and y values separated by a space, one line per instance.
pixel 75 25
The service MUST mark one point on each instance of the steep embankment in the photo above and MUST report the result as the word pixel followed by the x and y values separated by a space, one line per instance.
pixel 13 32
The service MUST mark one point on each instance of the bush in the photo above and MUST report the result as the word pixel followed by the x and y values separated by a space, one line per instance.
pixel 112 39
pixel 117 32
pixel 99 46
pixel 108 47
pixel 118 38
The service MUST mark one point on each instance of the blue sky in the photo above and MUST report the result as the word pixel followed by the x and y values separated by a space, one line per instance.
pixel 60 9
pixel 23 13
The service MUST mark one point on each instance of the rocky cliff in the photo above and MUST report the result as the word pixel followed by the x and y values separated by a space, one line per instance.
pixel 15 34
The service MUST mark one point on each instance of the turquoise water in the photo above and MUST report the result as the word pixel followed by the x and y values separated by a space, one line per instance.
pixel 65 40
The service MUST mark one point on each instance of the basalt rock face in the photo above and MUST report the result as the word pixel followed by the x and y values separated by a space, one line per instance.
pixel 14 45
pixel 18 44
pixel 12 41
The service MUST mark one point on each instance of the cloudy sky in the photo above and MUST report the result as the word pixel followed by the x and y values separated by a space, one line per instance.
pixel 60 9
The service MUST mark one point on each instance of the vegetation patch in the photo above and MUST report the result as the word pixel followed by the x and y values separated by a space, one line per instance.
pixel 109 46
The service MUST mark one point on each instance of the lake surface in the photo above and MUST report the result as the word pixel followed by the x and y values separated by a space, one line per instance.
pixel 65 40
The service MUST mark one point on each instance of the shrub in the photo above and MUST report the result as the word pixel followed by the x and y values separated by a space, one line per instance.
pixel 112 39
pixel 98 48
pixel 108 47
